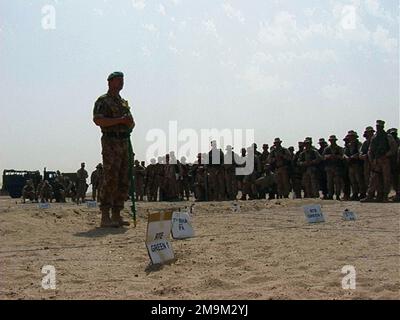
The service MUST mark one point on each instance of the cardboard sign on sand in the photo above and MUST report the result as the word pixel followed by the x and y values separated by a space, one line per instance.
pixel 45 205
pixel 182 226
pixel 91 204
pixel 314 213
pixel 158 229
pixel 349 215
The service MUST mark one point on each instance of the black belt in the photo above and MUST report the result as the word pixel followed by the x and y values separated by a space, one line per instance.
pixel 118 135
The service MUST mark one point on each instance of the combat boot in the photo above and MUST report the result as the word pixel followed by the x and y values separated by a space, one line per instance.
pixel 117 219
pixel 367 199
pixel 354 197
pixel 396 198
pixel 106 221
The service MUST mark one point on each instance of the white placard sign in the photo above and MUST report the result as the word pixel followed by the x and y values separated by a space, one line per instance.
pixel 182 225
pixel 314 213
pixel 159 226
pixel 158 229
pixel 349 215
pixel 235 207
pixel 91 204
pixel 45 205
pixel 160 251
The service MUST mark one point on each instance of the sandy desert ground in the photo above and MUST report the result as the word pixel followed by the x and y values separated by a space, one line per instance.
pixel 266 251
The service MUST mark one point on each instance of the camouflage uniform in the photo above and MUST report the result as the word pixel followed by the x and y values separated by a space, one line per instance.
pixel 297 172
pixel 333 156
pixel 216 179
pixel 230 173
pixel 170 180
pixel 249 181
pixel 323 182
pixel 264 155
pixel 240 163
pixel 355 166
pixel 309 160
pixel 151 186
pixel 280 158
pixel 139 174
pixel 266 184
pixel 115 146
pixel 397 197
pixel 381 148
pixel 346 179
pixel 198 172
pixel 96 181
pixel 46 192
pixel 183 183
pixel 368 133
pixel 28 191
pixel 81 185
pixel 59 192
pixel 160 178
pixel 69 188
pixel 393 159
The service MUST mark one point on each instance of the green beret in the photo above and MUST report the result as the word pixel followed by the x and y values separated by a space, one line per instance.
pixel 115 75
pixel 380 123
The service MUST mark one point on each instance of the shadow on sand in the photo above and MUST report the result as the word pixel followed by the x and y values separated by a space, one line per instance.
pixel 158 267
pixel 100 232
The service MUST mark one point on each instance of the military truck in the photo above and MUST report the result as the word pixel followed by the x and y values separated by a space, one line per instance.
pixel 15 180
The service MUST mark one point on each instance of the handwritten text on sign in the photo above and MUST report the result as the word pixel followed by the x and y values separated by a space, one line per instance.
pixel 314 213
pixel 181 226
pixel 158 230
pixel 160 251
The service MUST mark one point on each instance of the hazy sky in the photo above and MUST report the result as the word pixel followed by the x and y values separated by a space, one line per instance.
pixel 283 68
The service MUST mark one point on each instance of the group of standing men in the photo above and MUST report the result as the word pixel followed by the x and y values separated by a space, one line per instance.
pixel 365 171
pixel 358 171
pixel 62 187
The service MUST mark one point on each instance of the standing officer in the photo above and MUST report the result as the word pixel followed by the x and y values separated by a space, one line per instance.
pixel 112 114
pixel 280 158
pixel 95 180
pixel 381 148
pixel 81 185
pixel 333 156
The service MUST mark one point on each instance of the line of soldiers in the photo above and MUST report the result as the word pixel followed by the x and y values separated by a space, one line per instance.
pixel 365 171
pixel 359 171
pixel 62 187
